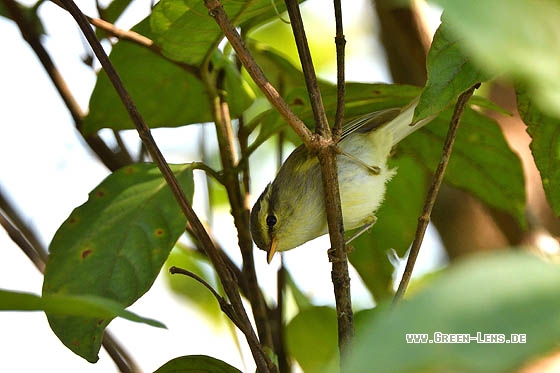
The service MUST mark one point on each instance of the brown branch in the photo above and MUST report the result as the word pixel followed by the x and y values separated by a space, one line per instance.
pixel 239 209
pixel 329 171
pixel 424 218
pixel 224 305
pixel 113 160
pixel 321 123
pixel 340 43
pixel 216 10
pixel 262 360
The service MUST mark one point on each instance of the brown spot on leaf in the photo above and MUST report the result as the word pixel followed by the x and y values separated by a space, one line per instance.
pixel 73 220
pixel 100 193
pixel 86 252
pixel 129 170
pixel 159 232
pixel 75 343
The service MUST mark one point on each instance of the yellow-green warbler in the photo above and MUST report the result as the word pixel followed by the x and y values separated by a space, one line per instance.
pixel 291 210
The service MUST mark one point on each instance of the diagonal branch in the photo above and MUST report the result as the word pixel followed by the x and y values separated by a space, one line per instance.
pixel 216 10
pixel 262 360
pixel 113 160
pixel 424 218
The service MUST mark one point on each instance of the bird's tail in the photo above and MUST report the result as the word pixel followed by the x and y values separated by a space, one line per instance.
pixel 401 126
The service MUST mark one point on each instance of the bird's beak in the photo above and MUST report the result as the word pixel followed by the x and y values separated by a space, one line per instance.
pixel 272 249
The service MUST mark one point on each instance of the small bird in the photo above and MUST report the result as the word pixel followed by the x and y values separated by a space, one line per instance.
pixel 291 209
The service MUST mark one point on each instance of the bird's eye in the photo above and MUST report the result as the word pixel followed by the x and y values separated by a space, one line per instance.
pixel 270 220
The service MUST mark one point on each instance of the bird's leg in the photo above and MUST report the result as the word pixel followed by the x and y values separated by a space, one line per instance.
pixel 373 169
pixel 371 221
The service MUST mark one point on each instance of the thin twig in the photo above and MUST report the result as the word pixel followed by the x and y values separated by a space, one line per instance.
pixel 424 218
pixel 262 360
pixel 119 355
pixel 19 238
pixel 216 10
pixel 224 305
pixel 321 122
pixel 340 43
pixel 326 154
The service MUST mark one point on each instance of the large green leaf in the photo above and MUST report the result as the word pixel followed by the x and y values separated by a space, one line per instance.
pixel 196 364
pixel 69 305
pixel 166 94
pixel 450 73
pixel 481 163
pixel 396 223
pixel 518 38
pixel 311 338
pixel 186 32
pixel 545 145
pixel 503 294
pixel 113 246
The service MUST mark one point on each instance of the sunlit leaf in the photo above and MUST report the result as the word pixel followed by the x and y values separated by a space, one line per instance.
pixel 113 246
pixel 187 33
pixel 504 294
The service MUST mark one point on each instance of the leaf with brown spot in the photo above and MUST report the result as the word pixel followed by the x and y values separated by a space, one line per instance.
pixel 107 247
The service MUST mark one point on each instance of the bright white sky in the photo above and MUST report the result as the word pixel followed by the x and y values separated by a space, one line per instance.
pixel 46 171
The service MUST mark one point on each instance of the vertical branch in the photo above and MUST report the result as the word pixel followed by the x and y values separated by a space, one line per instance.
pixel 321 123
pixel 229 283
pixel 424 218
pixel 340 42
pixel 239 209
pixel 326 153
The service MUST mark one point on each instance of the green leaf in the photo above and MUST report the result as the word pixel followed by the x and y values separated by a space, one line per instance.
pixel 396 223
pixel 166 94
pixel 481 163
pixel 69 305
pixel 311 338
pixel 187 33
pixel 450 73
pixel 503 293
pixel 545 145
pixel 518 38
pixel 113 246
pixel 196 364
